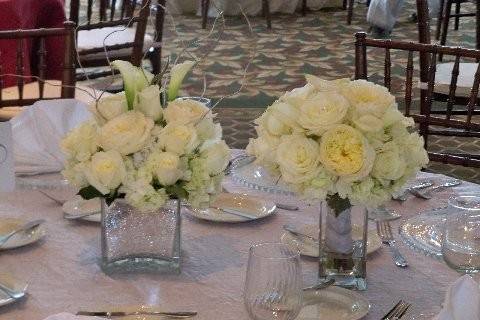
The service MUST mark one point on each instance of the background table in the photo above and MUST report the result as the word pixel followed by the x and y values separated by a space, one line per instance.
pixel 64 274
pixel 31 14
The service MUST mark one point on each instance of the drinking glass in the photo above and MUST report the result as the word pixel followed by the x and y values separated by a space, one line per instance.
pixel 273 287
pixel 461 238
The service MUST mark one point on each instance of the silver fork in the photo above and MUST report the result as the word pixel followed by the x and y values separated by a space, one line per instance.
pixel 397 311
pixel 384 230
pixel 427 194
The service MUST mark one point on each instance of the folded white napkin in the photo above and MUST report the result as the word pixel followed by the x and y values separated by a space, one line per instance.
pixel 69 316
pixel 462 301
pixel 38 130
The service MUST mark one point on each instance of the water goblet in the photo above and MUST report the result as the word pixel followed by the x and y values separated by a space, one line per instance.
pixel 273 287
pixel 461 237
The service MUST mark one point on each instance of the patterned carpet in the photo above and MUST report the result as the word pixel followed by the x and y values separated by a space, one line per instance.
pixel 320 43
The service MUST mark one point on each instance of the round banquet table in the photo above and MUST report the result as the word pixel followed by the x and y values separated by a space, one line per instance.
pixel 64 275
pixel 31 14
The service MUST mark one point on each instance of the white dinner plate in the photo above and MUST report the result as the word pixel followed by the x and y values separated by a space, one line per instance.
pixel 254 206
pixel 333 303
pixel 19 239
pixel 309 248
pixel 78 205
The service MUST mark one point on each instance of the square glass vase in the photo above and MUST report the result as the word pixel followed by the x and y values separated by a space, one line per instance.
pixel 139 241
pixel 343 247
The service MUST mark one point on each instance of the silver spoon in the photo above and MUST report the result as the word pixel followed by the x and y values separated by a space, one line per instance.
pixel 15 294
pixel 404 195
pixel 23 228
pixel 427 194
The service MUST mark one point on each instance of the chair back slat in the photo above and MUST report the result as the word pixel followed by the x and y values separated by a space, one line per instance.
pixel 388 68
pixel 472 103
pixel 42 66
pixel 430 121
pixel 20 70
pixel 103 10
pixel 1 78
pixel 408 83
pixel 453 86
pixel 112 9
pixel 89 10
pixel 39 37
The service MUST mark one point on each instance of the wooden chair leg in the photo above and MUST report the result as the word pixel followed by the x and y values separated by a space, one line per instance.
pixel 478 25
pixel 457 11
pixel 304 7
pixel 204 8
pixel 441 16
pixel 350 11
pixel 446 19
pixel 266 13
pixel 344 5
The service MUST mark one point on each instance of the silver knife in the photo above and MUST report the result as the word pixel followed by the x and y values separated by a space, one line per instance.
pixel 237 213
pixel 108 314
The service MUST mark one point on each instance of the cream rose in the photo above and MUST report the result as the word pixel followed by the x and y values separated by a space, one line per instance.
pixel 110 107
pixel 368 98
pixel 281 118
pixel 368 123
pixel 326 85
pixel 389 162
pixel 322 111
pixel 148 103
pixel 106 171
pixel 126 133
pixel 185 111
pixel 216 155
pixel 166 167
pixel 81 142
pixel 345 152
pixel 178 138
pixel 264 147
pixel 297 157
pixel 297 96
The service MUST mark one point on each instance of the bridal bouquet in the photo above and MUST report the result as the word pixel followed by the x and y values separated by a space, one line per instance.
pixel 343 141
pixel 136 149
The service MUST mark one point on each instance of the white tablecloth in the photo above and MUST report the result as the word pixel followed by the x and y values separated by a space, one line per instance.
pixel 64 274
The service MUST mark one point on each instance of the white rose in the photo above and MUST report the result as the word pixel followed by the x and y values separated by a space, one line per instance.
pixel 75 174
pixel 208 130
pixel 106 171
pixel 325 85
pixel 166 167
pixel 217 155
pixel 185 111
pixel 297 96
pixel 81 142
pixel 413 149
pixel 298 158
pixel 264 148
pixel 368 123
pixel 148 103
pixel 126 133
pixel 389 162
pixel 178 138
pixel 368 98
pixel 392 116
pixel 280 118
pixel 322 111
pixel 110 107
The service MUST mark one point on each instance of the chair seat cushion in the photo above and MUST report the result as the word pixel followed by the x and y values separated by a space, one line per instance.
pixel 443 77
pixel 89 39
pixel 52 89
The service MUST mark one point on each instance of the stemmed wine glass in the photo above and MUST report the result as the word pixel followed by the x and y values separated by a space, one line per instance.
pixel 273 287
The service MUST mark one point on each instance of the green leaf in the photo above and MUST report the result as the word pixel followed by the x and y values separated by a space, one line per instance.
pixel 135 79
pixel 177 191
pixel 338 204
pixel 177 74
pixel 90 192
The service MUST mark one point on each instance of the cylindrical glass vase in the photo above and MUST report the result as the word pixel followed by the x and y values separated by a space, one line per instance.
pixel 134 240
pixel 343 245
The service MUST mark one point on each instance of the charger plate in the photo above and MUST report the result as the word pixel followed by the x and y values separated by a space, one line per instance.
pixel 424 232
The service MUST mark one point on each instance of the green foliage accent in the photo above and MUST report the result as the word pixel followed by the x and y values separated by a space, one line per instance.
pixel 338 204
pixel 177 191
pixel 91 192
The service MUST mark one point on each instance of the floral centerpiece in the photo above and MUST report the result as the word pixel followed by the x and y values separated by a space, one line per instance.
pixel 341 141
pixel 144 153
